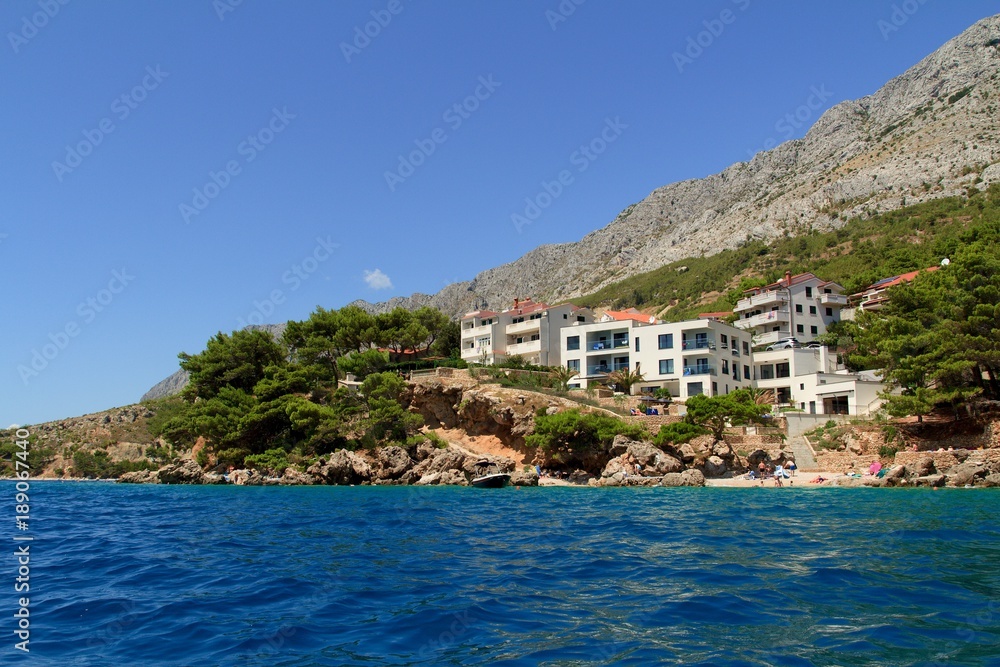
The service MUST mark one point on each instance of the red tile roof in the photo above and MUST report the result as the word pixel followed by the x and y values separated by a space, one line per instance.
pixel 479 313
pixel 630 314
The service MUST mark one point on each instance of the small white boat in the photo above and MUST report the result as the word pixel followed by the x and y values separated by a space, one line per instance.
pixel 488 476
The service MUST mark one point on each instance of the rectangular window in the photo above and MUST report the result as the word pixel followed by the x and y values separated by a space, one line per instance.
pixel 798 308
pixel 767 372
pixel 565 316
pixel 781 370
pixel 666 366
pixel 636 343
pixel 695 389
pixel 814 331
pixel 812 310
pixel 581 318
pixel 746 372
pixel 572 342
pixel 724 341
pixel 800 328
pixel 746 347
pixel 715 388
pixel 665 341
pixel 829 312
pixel 809 292
pixel 725 367
pixel 573 365
pixel 736 372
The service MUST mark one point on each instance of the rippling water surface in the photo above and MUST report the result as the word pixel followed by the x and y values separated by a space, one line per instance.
pixel 166 575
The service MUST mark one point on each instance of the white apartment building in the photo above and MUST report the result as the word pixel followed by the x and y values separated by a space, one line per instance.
pixel 800 306
pixel 528 329
pixel 810 380
pixel 687 358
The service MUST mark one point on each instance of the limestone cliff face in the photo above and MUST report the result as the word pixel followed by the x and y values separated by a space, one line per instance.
pixel 929 133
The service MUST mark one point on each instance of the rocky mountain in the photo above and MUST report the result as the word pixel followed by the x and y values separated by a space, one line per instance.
pixel 929 133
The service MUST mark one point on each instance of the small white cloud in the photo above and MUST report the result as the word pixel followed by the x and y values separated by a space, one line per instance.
pixel 377 280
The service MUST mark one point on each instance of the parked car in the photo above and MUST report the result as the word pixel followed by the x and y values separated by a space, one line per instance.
pixel 814 345
pixel 783 344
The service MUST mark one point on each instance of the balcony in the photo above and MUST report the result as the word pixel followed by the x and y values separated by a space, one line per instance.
pixel 604 370
pixel 770 337
pixel 833 299
pixel 472 332
pixel 523 327
pixel 476 353
pixel 771 317
pixel 603 345
pixel 700 369
pixel 760 300
pixel 526 347
pixel 698 344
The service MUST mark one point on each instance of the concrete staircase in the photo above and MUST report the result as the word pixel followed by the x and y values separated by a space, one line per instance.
pixel 804 459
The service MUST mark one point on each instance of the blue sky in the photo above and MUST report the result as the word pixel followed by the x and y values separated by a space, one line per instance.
pixel 172 170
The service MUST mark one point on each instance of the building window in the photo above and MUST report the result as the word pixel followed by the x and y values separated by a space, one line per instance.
pixel 565 316
pixel 746 372
pixel 746 347
pixel 814 331
pixel 665 341
pixel 535 337
pixel 724 341
pixel 725 367
pixel 636 343
pixel 812 310
pixel 802 386
pixel 829 312
pixel 766 372
pixel 798 308
pixel 666 366
pixel 781 370
pixel 573 365
pixel 715 388
pixel 800 328
pixel 581 318
pixel 572 342
pixel 695 389
pixel 736 372
pixel 809 292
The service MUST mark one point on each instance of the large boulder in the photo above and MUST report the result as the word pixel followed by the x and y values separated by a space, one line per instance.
pixel 930 480
pixel 139 477
pixel 966 474
pixel 923 467
pixel 692 477
pixel 440 460
pixel 715 467
pixel 652 460
pixel 992 480
pixel 343 467
pixel 293 477
pixel 524 478
pixel 896 476
pixel 181 472
pixel 391 462
pixel 453 477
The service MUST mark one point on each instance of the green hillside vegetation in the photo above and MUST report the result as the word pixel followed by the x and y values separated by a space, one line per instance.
pixel 858 254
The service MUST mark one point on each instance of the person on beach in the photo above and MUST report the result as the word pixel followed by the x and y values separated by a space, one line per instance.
pixel 791 468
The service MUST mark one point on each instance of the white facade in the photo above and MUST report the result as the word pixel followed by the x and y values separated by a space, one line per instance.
pixel 687 358
pixel 800 306
pixel 529 329
pixel 809 380
pixel 713 358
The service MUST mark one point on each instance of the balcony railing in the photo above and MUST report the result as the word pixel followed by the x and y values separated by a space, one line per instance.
pixel 525 347
pixel 472 332
pixel 765 299
pixel 616 344
pixel 770 337
pixel 698 344
pixel 520 327
pixel 604 370
pixel 763 319
pixel 833 299
pixel 699 370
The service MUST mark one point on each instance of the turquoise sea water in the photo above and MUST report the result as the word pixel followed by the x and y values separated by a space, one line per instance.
pixel 158 575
